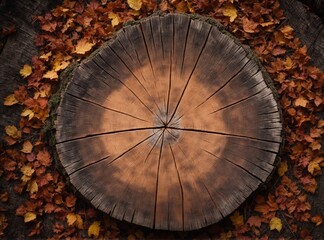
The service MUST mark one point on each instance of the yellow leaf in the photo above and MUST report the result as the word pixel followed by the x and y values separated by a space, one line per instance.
pixel 13 132
pixel 265 24
pixel 237 219
pixel 60 65
pixel 29 216
pixel 46 56
pixel 51 75
pixel 32 187
pixel 230 11
pixel 301 102
pixel 283 168
pixel 135 4
pixel 28 112
pixel 288 63
pixel 27 147
pixel 26 71
pixel 313 167
pixel 79 221
pixel 275 223
pixel 83 46
pixel 10 100
pixel 28 172
pixel 114 19
pixel 71 219
pixel 94 229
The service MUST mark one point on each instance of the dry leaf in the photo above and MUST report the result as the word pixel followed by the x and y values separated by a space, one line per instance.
pixel 313 167
pixel 50 75
pixel 29 216
pixel 44 158
pixel 13 132
pixel 289 63
pixel 71 219
pixel 301 102
pixel 28 172
pixel 94 229
pixel 237 219
pixel 10 100
pixel 28 112
pixel 230 11
pixel 249 26
pixel 27 147
pixel 26 71
pixel 275 223
pixel 317 220
pixel 135 4
pixel 83 46
pixel 115 20
pixel 32 187
pixel 283 168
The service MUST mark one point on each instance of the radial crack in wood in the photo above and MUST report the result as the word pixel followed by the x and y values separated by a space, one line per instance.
pixel 170 125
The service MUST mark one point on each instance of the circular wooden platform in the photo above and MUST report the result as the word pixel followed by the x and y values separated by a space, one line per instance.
pixel 171 125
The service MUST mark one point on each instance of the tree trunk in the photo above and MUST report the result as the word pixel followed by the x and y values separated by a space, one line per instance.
pixel 171 125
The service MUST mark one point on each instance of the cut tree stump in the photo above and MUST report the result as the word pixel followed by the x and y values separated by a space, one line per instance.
pixel 171 125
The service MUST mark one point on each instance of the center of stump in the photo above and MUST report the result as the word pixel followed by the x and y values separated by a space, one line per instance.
pixel 170 125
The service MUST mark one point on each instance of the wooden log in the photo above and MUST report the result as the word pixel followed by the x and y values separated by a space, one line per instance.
pixel 171 125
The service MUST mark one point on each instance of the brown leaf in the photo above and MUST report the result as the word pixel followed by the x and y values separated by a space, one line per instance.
pixel 27 147
pixel 44 157
pixel 249 26
pixel 70 201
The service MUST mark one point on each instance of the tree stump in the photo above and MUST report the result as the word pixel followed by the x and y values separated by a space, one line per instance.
pixel 171 125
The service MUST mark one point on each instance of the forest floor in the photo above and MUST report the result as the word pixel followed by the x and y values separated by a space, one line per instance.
pixel 36 199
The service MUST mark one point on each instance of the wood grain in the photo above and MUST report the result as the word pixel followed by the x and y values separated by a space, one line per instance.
pixel 170 126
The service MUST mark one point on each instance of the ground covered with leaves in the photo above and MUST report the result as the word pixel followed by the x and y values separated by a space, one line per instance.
pixel 49 208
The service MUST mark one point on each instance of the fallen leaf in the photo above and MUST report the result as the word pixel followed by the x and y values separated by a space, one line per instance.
pixel 27 147
pixel 71 219
pixel 317 220
pixel 115 20
pixel 83 46
pixel 28 172
pixel 44 157
pixel 70 201
pixel 28 113
pixel 230 11
pixel 254 221
pixel 283 168
pixel 249 26
pixel 32 187
pixel 13 132
pixel 313 167
pixel 301 102
pixel 10 100
pixel 275 223
pixel 237 219
pixel 135 4
pixel 50 75
pixel 94 229
pixel 131 237
pixel 26 71
pixel 288 63
pixel 29 216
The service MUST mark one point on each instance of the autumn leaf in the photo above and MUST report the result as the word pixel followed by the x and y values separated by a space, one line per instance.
pixel 288 63
pixel 29 216
pixel 10 100
pixel 83 47
pixel 28 172
pixel 283 168
pixel 50 75
pixel 135 4
pixel 26 71
pixel 249 26
pixel 115 20
pixel 44 157
pixel 32 187
pixel 237 219
pixel 27 147
pixel 94 229
pixel 301 101
pixel 275 223
pixel 230 11
pixel 13 132
pixel 28 113
pixel 317 220
pixel 74 220
pixel 254 221
pixel 70 201
pixel 313 167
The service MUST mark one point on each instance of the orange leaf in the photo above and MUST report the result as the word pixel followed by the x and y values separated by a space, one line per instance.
pixel 94 229
pixel 29 216
pixel 44 158
pixel 50 75
pixel 27 147
pixel 317 220
pixel 237 219
pixel 301 102
pixel 283 168
pixel 249 26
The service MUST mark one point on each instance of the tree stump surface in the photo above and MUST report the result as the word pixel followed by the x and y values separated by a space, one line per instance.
pixel 171 125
